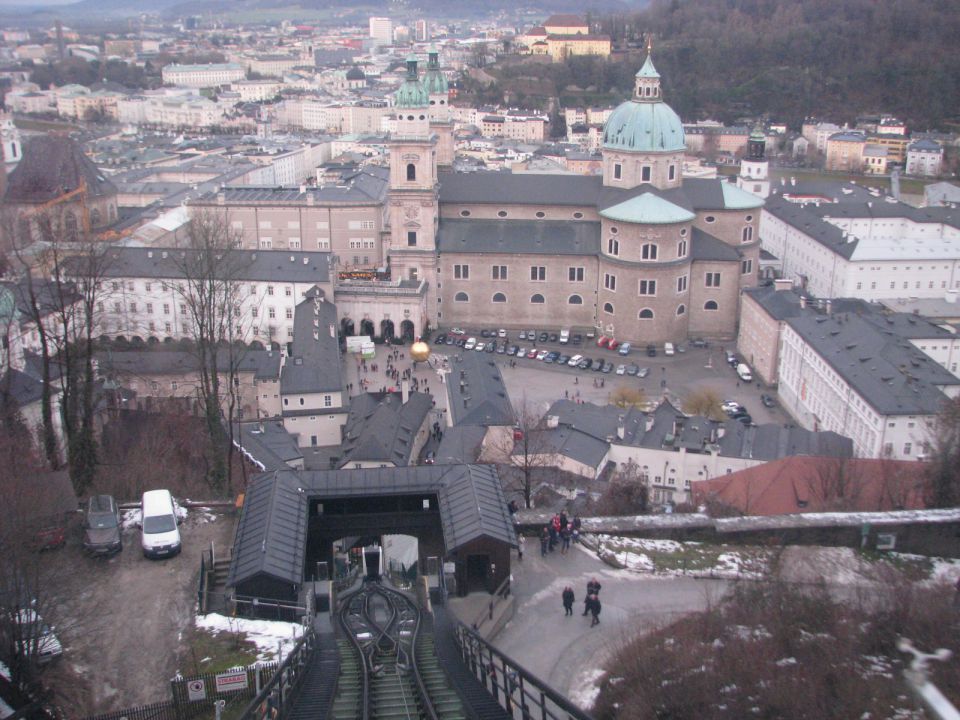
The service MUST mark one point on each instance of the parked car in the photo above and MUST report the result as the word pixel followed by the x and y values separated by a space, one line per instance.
pixel 462 342
pixel 599 365
pixel 512 350
pixel 440 339
pixel 470 344
pixel 621 369
pixel 491 347
pixel 485 333
pixel 564 336
pixel 668 348
pixel 35 639
pixel 602 341
pixel 458 331
pixel 431 458
pixel 732 359
pixel 451 340
pixel 607 367
pixel 521 352
pixel 576 339
pixel 160 536
pixel 643 372
pixel 523 335
pixel 502 333
pixel 554 337
pixel 552 356
pixel 651 350
pixel 575 360
pixel 585 363
pixel 532 335
pixel 632 370
pixel 544 337
pixel 745 419
pixel 768 401
pixel 563 359
pixel 532 354
pixel 624 349
pixel 613 344
pixel 501 349
pixel 542 354
pixel 101 526
pixel 699 343
pixel 743 372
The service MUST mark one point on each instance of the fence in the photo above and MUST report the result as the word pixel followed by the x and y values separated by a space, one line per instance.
pixel 498 596
pixel 285 682
pixel 157 711
pixel 252 607
pixel 517 691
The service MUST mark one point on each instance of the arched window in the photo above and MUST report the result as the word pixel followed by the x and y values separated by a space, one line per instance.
pixel 461 297
pixel 499 298
pixel 648 251
pixel 574 300
pixel 537 299
pixel 70 226
pixel 747 234
pixel 681 310
pixel 710 305
pixel 682 249
pixel 613 246
pixel 608 308
pixel 646 314
pixel 95 217
pixel 411 172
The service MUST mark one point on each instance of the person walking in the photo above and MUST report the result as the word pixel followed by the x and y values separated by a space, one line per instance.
pixel 595 611
pixel 544 541
pixel 586 598
pixel 564 540
pixel 568 601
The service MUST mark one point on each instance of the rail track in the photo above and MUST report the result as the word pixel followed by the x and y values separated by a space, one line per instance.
pixel 388 666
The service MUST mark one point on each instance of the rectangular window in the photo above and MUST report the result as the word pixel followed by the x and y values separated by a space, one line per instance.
pixel 289 313
pixel 461 272
pixel 538 272
pixel 682 284
pixel 617 171
pixel 272 313
pixel 327 401
pixel 356 243
pixel 254 312
pixel 411 238
pixel 133 307
pixel 149 287
pixel 746 267
pixel 269 289
pixel 117 308
pixel 575 274
pixel 610 282
pixel 294 243
pixel 183 308
pixel 645 173
pixel 648 287
pixel 499 272
pixel 266 243
pixel 713 279
pixel 149 308
pixel 672 173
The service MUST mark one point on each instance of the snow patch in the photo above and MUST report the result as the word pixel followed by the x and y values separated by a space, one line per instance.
pixel 586 687
pixel 267 635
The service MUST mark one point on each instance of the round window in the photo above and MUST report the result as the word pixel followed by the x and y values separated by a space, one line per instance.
pixel 423 117
pixel 709 219
pixel 683 232
pixel 577 215
pixel 748 218
pixel 464 213
pixel 614 230
pixel 502 213
pixel 541 214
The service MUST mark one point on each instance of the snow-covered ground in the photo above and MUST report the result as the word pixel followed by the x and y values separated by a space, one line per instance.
pixel 273 639
pixel 669 557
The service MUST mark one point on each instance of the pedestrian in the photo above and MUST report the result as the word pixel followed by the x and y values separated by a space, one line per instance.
pixel 566 394
pixel 553 536
pixel 587 596
pixel 577 524
pixel 520 547
pixel 595 611
pixel 544 541
pixel 568 600
pixel 564 540
pixel 576 380
pixel 563 519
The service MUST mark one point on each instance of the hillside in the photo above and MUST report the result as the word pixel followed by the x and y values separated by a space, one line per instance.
pixel 781 58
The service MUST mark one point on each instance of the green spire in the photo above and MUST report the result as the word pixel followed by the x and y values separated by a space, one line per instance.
pixel 412 93
pixel 648 70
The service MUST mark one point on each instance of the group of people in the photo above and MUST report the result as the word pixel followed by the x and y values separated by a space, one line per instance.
pixel 591 603
pixel 560 531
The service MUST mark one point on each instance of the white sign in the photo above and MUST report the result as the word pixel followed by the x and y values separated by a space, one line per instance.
pixel 196 690
pixel 232 680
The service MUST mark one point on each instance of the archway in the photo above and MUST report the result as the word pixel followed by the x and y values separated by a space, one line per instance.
pixel 274 345
pixel 407 330
pixel 387 330
pixel 346 327
pixel 366 327
pixel 257 345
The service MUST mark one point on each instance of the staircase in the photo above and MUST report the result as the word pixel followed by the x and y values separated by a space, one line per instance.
pixel 347 701
pixel 319 683
pixel 445 700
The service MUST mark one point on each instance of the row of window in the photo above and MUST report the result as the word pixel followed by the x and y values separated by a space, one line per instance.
pixel 538 299
pixel 539 214
pixel 646 171
pixel 538 273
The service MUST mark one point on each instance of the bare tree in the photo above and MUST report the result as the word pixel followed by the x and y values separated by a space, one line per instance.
pixel 525 451
pixel 211 269
pixel 628 397
pixel 838 483
pixel 942 470
pixel 627 493
pixel 704 402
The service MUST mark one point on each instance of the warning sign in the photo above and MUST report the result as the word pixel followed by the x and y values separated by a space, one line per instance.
pixel 232 680
pixel 196 690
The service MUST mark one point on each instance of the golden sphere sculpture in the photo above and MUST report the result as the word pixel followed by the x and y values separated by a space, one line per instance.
pixel 420 351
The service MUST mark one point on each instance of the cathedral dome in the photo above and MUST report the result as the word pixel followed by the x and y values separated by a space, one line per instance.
pixel 412 93
pixel 645 123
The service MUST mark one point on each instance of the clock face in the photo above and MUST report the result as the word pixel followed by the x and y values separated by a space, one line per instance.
pixel 411 212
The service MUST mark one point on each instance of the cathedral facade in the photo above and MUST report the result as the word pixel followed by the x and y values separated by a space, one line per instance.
pixel 637 252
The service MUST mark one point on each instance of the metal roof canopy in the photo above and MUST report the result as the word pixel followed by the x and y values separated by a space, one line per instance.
pixel 272 533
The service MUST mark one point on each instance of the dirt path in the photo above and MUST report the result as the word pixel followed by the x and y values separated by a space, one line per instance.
pixel 122 618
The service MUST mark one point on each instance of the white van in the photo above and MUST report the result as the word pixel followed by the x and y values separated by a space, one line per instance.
pixel 743 370
pixel 668 349
pixel 160 536
pixel 564 336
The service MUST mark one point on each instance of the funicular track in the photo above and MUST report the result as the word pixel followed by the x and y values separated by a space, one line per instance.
pixel 388 669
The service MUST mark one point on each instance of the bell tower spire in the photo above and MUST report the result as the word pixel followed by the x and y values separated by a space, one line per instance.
pixel 646 86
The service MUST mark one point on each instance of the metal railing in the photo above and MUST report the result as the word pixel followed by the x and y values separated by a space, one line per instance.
pixel 498 596
pixel 523 695
pixel 285 683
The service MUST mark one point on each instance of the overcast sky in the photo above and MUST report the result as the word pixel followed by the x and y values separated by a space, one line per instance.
pixel 33 3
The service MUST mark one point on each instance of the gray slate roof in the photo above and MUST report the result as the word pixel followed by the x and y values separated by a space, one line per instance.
pixel 460 444
pixel 887 371
pixel 482 397
pixel 256 265
pixel 367 186
pixel 271 532
pixel 705 246
pixel 518 236
pixel 314 365
pixel 268 444
pixel 572 443
pixel 264 364
pixel 382 428
pixel 51 166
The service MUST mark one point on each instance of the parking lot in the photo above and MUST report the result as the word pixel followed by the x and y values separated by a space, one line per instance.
pixel 689 369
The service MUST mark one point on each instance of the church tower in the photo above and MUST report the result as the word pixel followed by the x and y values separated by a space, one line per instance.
pixel 754 168
pixel 440 121
pixel 10 139
pixel 413 190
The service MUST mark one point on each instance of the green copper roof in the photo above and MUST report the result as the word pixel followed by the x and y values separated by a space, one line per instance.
pixel 412 93
pixel 736 199
pixel 644 127
pixel 648 70
pixel 647 209
pixel 434 80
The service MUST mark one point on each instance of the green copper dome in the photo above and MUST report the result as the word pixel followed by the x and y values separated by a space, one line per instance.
pixel 412 93
pixel 645 123
pixel 434 80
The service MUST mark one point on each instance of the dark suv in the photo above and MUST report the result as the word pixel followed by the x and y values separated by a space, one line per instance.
pixel 101 526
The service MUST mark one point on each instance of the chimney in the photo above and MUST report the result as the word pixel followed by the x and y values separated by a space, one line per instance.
pixel 648 423
pixel 721 431
pixel 620 431
pixel 405 391
pixel 828 307
pixel 803 302
pixel 553 421
pixel 793 181
pixel 951 296
pixel 782 284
